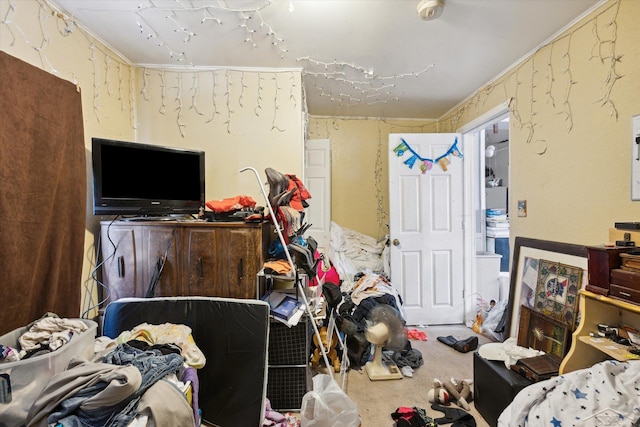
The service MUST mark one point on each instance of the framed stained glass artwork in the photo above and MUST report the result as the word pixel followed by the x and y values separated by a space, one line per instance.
pixel 535 260
pixel 557 289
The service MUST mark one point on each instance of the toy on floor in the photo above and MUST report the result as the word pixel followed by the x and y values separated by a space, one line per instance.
pixel 438 394
pixel 457 391
pixel 332 354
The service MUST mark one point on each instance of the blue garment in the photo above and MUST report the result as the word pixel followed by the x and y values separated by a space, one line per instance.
pixel 153 366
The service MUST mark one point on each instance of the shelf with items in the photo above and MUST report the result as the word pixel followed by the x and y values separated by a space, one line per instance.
pixel 611 348
pixel 598 309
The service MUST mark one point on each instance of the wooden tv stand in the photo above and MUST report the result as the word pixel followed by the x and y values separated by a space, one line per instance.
pixel 585 350
pixel 218 259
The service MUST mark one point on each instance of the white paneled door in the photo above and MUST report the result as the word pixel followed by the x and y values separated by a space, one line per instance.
pixel 317 179
pixel 426 226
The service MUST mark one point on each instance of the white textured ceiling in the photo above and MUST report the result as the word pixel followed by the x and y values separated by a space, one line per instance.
pixel 388 62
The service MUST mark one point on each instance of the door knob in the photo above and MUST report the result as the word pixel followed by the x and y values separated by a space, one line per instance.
pixel 396 242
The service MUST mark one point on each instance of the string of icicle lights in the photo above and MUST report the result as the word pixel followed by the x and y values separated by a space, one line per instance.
pixel 344 83
pixel 374 89
pixel 559 82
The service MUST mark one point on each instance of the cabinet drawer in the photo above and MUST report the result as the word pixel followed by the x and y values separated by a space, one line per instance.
pixel 601 260
pixel 627 294
pixel 628 279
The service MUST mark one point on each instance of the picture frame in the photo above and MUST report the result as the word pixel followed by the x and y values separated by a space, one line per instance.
pixel 543 333
pixel 527 254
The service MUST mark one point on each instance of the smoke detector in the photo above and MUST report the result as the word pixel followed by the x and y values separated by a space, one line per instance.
pixel 430 9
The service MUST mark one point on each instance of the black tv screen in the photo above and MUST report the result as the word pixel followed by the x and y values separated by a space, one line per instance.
pixel 143 179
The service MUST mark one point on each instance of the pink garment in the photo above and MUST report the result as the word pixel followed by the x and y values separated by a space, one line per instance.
pixel 325 275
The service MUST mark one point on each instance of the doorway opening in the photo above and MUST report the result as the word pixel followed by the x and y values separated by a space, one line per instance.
pixel 487 230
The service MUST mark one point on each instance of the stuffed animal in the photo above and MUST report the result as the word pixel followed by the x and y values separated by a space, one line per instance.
pixel 461 391
pixel 332 354
pixel 438 394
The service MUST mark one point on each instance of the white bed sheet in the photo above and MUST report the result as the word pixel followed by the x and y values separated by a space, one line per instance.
pixel 606 394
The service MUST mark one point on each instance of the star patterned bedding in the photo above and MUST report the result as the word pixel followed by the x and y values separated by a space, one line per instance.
pixel 607 394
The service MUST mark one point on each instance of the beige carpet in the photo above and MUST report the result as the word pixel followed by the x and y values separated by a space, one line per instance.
pixel 377 400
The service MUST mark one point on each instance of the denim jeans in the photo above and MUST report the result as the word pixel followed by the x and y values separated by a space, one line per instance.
pixel 153 366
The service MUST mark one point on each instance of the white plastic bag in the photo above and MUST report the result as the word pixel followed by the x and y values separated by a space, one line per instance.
pixel 328 406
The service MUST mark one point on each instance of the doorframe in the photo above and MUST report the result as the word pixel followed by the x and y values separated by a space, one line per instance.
pixel 473 154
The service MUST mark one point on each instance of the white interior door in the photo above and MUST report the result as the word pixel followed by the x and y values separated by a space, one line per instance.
pixel 317 173
pixel 426 227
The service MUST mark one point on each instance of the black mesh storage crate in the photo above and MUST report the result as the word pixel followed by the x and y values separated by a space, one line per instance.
pixel 289 346
pixel 286 387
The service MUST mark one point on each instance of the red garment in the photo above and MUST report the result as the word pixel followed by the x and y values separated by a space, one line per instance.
pixel 231 204
pixel 415 334
pixel 300 195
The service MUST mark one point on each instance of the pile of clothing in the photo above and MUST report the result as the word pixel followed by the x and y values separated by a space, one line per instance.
pixel 146 376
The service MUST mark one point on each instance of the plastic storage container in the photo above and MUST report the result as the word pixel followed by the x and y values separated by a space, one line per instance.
pixel 22 381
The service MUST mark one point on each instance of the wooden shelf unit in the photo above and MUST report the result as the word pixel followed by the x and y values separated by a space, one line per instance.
pixel 597 309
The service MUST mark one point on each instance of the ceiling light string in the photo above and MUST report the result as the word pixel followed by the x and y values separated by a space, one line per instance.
pixel 195 90
pixel 163 92
pixel 153 34
pixel 337 71
pixel 276 40
pixel 512 100
pixel 381 214
pixel 404 75
pixel 179 108
pixel 249 31
pixel 145 84
pixel 208 16
pixel 43 16
pixel 132 102
pixel 107 75
pixel 188 34
pixel 411 128
pixel 242 89
pixel 96 85
pixel 566 71
pixel 69 24
pixel 293 86
pixel 213 97
pixel 7 20
pixel 227 96
pixel 611 57
pixel 532 101
pixel 258 107
pixel 121 98
pixel 64 26
pixel 275 105
pixel 550 79
pixel 524 124
pixel 337 64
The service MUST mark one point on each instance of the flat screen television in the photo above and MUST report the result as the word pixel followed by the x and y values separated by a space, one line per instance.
pixel 135 179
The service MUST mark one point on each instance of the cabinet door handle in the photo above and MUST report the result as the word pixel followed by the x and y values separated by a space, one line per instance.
pixel 200 267
pixel 240 269
pixel 624 294
pixel 121 266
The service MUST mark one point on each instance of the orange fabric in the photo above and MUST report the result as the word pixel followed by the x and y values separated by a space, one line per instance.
pixel 415 334
pixel 279 266
pixel 231 203
pixel 301 194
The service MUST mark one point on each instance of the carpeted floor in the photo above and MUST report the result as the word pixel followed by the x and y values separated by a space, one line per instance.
pixel 377 400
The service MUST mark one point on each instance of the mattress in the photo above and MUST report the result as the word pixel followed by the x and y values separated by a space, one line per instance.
pixel 232 334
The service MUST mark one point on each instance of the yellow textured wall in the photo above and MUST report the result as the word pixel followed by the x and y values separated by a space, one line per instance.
pixel 571 105
pixel 229 114
pixel 359 168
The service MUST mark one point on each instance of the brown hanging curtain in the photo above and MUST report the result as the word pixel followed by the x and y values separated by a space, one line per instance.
pixel 42 194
